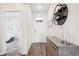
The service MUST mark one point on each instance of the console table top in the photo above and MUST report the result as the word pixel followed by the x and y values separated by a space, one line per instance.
pixel 58 43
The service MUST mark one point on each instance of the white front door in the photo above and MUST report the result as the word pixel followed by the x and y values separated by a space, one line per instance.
pixel 13 29
pixel 40 30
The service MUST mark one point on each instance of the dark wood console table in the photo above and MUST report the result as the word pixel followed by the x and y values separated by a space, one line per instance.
pixel 56 48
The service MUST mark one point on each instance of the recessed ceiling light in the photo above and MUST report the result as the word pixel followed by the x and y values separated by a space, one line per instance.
pixel 39 7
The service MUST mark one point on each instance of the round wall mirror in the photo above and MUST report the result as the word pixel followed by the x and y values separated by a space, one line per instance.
pixel 60 14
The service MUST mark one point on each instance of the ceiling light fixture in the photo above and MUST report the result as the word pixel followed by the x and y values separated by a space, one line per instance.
pixel 39 18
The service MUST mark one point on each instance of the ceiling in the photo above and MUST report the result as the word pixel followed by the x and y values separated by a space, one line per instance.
pixel 39 7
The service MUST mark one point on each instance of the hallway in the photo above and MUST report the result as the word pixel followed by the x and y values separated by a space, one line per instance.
pixel 39 29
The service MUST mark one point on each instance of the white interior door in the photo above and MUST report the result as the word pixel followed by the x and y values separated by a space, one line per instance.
pixel 13 29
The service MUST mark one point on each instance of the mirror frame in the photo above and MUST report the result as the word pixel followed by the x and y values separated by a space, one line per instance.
pixel 61 14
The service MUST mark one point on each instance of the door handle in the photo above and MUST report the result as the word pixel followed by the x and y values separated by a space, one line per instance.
pixel 35 30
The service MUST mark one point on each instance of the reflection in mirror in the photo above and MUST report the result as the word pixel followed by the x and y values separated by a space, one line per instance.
pixel 60 14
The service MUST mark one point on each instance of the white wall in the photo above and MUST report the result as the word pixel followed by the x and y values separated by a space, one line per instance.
pixel 26 20
pixel 52 30
pixel 73 23
pixel 29 28
pixel 43 37
pixel 0 27
pixel 70 26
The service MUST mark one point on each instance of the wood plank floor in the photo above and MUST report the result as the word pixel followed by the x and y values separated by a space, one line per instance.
pixel 37 49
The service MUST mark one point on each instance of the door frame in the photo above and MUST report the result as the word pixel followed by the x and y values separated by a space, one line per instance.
pixel 3 50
